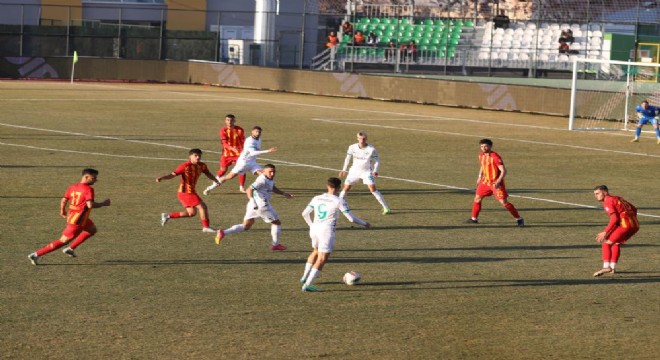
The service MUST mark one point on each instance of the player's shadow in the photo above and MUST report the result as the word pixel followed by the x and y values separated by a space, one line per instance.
pixel 552 191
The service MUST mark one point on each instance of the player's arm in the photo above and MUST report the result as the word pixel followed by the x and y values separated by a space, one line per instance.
pixel 480 176
pixel 500 178
pixel 166 177
pixel 306 214
pixel 347 161
pixel 614 221
pixel 63 203
pixel 376 160
pixel 259 152
pixel 250 195
pixel 276 190
pixel 211 177
pixel 95 205
pixel 343 207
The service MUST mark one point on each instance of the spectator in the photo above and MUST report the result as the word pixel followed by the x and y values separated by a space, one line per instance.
pixel 564 48
pixel 411 51
pixel 403 51
pixel 501 20
pixel 390 51
pixel 566 37
pixel 333 40
pixel 359 39
pixel 347 28
pixel 372 39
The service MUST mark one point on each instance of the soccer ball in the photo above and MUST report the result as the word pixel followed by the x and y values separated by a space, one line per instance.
pixel 352 278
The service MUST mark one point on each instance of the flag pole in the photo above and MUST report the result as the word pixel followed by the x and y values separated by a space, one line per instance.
pixel 73 65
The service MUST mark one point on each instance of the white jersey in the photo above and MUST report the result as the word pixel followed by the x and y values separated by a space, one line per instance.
pixel 362 158
pixel 326 209
pixel 263 188
pixel 251 148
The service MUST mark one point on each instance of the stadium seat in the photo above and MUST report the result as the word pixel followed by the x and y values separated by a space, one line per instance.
pixel 364 20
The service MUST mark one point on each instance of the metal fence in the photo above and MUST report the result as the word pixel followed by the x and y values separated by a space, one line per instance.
pixel 147 33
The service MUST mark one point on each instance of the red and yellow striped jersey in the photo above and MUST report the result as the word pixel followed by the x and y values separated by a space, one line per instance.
pixel 189 173
pixel 626 211
pixel 78 195
pixel 490 170
pixel 232 138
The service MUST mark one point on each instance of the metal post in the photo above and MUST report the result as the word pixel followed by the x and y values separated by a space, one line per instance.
pixel 119 34
pixel 302 35
pixel 68 29
pixel 20 49
pixel 160 35
pixel 217 38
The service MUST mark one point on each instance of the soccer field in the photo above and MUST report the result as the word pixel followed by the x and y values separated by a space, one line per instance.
pixel 432 288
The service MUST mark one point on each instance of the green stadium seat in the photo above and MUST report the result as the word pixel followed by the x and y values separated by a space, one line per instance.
pixel 428 22
pixel 384 21
pixel 405 22
pixel 439 22
pixel 362 27
pixel 374 21
pixel 468 23
pixel 364 20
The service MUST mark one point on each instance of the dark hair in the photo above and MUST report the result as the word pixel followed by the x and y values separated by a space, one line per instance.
pixel 230 116
pixel 486 141
pixel 334 182
pixel 602 188
pixel 257 128
pixel 90 171
pixel 269 166
pixel 645 101
pixel 195 151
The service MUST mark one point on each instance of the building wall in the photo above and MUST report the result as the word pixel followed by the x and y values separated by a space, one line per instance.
pixel 56 12
pixel 186 15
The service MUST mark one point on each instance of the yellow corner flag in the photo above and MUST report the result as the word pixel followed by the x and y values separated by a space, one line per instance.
pixel 75 57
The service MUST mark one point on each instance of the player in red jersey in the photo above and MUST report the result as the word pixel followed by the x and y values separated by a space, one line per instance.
pixel 233 138
pixel 490 181
pixel 622 226
pixel 79 227
pixel 190 172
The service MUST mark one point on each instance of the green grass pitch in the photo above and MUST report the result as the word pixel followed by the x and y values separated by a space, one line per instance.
pixel 432 288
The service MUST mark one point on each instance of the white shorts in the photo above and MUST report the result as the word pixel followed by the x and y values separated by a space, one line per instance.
pixel 266 213
pixel 242 167
pixel 366 177
pixel 323 238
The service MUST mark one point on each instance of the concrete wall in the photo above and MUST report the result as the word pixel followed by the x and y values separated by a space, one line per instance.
pixel 428 91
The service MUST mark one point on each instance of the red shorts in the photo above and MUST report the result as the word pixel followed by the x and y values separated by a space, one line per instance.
pixel 71 230
pixel 189 200
pixel 621 235
pixel 225 161
pixel 484 190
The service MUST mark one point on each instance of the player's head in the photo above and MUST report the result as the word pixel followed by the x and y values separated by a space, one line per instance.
pixel 645 104
pixel 600 192
pixel 89 175
pixel 256 132
pixel 334 183
pixel 362 137
pixel 194 155
pixel 485 144
pixel 269 171
pixel 230 120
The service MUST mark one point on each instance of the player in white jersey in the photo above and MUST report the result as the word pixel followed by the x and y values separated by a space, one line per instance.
pixel 363 154
pixel 326 208
pixel 259 206
pixel 247 160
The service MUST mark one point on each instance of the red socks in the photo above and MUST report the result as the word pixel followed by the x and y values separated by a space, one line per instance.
pixel 476 208
pixel 241 180
pixel 205 223
pixel 50 247
pixel 616 251
pixel 80 239
pixel 512 210
pixel 607 251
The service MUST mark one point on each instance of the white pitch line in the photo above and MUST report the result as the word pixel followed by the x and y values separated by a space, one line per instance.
pixel 118 100
pixel 481 136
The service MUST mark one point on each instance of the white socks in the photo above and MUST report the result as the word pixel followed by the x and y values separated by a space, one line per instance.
pixel 308 268
pixel 312 276
pixel 234 229
pixel 380 198
pixel 275 231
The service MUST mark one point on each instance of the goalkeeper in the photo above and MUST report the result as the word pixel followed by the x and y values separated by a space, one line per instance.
pixel 647 113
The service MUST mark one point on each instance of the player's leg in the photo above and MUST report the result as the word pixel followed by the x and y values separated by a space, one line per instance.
pixel 203 211
pixel 68 234
pixel 241 183
pixel 502 196
pixel 657 131
pixel 89 231
pixel 244 226
pixel 311 259
pixel 606 255
pixel 481 192
pixel 638 129
pixel 370 181
pixel 326 241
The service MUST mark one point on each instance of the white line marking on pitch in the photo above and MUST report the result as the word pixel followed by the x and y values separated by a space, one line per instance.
pixel 273 160
pixel 481 136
